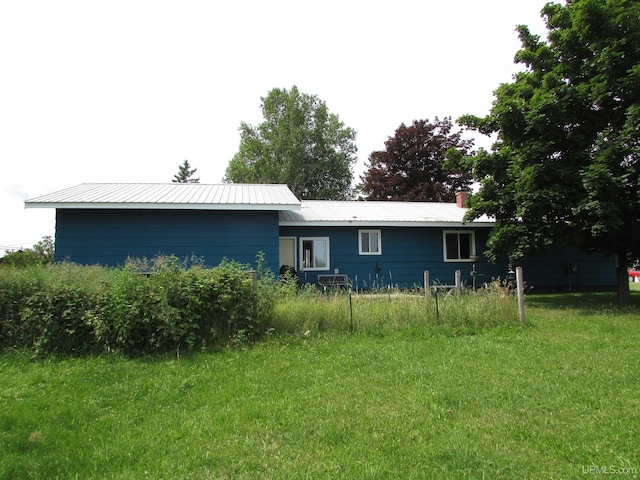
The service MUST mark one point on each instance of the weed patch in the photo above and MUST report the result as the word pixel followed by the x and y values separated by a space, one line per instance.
pixel 308 312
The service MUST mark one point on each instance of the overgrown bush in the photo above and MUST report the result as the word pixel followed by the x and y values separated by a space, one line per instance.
pixel 215 304
pixel 37 304
pixel 129 316
pixel 16 286
pixel 163 304
pixel 148 306
pixel 56 319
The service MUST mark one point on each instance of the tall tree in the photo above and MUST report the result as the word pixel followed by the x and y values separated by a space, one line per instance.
pixel 300 144
pixel 564 167
pixel 185 174
pixel 413 166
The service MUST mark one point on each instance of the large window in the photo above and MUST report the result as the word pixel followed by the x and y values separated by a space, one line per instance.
pixel 369 242
pixel 315 253
pixel 459 245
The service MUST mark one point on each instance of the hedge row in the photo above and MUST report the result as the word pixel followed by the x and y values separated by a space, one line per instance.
pixel 70 309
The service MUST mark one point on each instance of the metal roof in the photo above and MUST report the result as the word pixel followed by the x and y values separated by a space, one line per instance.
pixel 373 213
pixel 170 196
pixel 233 196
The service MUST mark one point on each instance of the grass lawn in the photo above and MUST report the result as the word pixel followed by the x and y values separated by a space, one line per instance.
pixel 559 398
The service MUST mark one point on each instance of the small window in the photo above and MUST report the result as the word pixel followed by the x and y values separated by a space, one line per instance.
pixel 369 242
pixel 459 246
pixel 315 253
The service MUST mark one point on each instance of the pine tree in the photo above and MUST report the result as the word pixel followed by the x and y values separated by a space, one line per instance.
pixel 185 173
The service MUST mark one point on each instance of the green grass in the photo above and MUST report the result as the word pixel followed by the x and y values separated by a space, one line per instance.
pixel 310 312
pixel 550 400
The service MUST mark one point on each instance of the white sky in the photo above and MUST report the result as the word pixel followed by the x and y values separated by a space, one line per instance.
pixel 126 90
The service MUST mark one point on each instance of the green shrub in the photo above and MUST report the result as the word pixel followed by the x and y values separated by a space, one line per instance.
pixel 57 320
pixel 129 315
pixel 45 307
pixel 72 309
pixel 16 286
pixel 216 303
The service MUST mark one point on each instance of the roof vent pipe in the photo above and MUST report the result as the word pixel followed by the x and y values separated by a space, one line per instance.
pixel 462 198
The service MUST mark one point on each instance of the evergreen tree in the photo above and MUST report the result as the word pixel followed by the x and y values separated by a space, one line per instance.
pixel 185 173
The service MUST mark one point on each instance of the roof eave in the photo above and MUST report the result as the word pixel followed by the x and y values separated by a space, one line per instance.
pixel 371 224
pixel 162 206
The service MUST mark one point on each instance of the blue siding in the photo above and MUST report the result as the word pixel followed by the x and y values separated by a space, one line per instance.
pixel 552 268
pixel 408 252
pixel 108 237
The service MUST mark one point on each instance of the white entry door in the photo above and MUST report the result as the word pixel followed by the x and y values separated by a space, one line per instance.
pixel 288 251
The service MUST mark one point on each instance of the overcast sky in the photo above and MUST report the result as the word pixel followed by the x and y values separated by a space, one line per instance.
pixel 126 90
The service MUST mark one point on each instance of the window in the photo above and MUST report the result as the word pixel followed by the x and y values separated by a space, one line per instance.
pixel 459 246
pixel 315 253
pixel 369 242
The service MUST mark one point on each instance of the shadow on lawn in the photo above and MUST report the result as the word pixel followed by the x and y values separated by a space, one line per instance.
pixel 587 302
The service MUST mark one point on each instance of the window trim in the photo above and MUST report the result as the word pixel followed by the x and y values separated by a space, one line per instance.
pixel 472 246
pixel 369 231
pixel 302 255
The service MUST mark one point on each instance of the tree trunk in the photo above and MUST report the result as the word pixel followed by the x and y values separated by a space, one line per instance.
pixel 622 277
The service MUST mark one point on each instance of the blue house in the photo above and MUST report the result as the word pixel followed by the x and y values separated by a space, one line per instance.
pixel 374 244
pixel 107 223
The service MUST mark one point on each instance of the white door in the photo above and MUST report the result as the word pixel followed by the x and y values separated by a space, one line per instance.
pixel 288 251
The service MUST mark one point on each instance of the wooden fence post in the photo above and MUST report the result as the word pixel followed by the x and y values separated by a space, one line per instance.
pixel 350 311
pixel 427 289
pixel 254 286
pixel 254 280
pixel 458 279
pixel 520 283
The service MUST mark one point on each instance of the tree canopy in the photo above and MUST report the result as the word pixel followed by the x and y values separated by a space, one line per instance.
pixel 185 174
pixel 413 165
pixel 42 253
pixel 300 144
pixel 564 166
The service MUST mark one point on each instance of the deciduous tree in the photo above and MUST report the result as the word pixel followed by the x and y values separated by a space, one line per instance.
pixel 413 165
pixel 41 254
pixel 564 167
pixel 300 144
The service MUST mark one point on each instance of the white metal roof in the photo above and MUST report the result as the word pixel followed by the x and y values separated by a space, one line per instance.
pixel 170 196
pixel 371 213
pixel 292 212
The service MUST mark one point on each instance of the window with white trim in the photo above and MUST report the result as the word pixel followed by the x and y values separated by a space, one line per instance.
pixel 369 242
pixel 459 245
pixel 315 253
